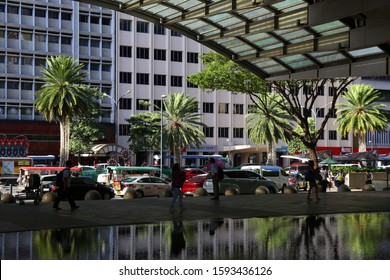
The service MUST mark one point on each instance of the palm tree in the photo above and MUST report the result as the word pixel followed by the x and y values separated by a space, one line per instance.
pixel 64 97
pixel 268 122
pixel 361 113
pixel 182 123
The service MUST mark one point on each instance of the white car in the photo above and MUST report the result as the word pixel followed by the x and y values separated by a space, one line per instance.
pixel 144 185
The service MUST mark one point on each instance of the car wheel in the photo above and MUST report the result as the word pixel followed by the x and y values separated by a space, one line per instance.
pixel 106 196
pixel 139 194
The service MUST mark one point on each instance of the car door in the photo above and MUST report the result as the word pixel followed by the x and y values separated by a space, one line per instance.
pixel 145 186
pixel 158 185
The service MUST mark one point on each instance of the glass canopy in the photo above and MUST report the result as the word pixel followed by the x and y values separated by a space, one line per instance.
pixel 276 39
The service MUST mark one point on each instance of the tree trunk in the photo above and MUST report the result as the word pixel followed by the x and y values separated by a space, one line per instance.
pixel 64 141
pixel 362 142
pixel 270 154
pixel 313 155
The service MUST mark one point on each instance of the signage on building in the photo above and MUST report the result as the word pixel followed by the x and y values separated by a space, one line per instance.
pixel 205 148
pixel 346 150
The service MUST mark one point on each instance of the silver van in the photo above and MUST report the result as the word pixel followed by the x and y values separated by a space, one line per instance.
pixel 274 173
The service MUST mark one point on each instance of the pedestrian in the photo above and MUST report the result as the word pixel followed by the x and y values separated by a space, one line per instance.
pixel 178 179
pixel 214 177
pixel 369 177
pixel 324 181
pixel 311 176
pixel 339 178
pixel 64 191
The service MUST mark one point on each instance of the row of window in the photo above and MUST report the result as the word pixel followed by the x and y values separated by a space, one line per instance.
pixel 65 39
pixel 159 79
pixel 54 14
pixel 159 54
pixel 143 27
pixel 223 132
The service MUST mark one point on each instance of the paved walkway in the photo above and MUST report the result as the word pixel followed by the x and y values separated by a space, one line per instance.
pixel 15 217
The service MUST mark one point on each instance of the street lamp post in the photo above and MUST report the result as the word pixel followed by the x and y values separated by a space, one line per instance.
pixel 116 119
pixel 161 136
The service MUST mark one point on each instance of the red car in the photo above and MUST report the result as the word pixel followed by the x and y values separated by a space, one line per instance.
pixel 191 172
pixel 193 183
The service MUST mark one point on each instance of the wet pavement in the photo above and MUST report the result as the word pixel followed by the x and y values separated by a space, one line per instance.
pixel 19 218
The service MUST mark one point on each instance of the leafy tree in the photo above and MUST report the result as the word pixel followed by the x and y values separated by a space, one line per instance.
pixel 64 97
pixel 267 123
pixel 295 145
pixel 144 132
pixel 182 123
pixel 223 74
pixel 361 113
pixel 84 133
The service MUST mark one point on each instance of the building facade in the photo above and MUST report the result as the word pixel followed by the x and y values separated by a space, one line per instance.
pixel 132 61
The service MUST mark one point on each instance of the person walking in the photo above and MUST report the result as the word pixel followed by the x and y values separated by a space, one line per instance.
pixel 178 179
pixel 214 177
pixel 324 181
pixel 369 177
pixel 64 191
pixel 311 176
pixel 339 178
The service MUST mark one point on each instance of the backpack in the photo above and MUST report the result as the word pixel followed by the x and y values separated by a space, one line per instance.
pixel 220 173
pixel 60 179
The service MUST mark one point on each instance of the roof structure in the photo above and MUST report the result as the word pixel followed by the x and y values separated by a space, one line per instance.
pixel 280 39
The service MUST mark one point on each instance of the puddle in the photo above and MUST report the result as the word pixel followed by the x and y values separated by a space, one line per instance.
pixel 325 237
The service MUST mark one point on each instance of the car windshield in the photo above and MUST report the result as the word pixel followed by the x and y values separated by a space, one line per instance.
pixel 197 179
pixel 130 179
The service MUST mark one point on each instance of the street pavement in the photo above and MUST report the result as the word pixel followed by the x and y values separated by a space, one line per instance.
pixel 96 213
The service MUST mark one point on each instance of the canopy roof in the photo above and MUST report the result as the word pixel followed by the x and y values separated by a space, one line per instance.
pixel 280 39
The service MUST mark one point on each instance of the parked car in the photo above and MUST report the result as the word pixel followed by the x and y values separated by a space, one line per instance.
pixel 191 172
pixel 144 185
pixel 244 181
pixel 81 185
pixel 193 183
pixel 47 181
pixel 274 173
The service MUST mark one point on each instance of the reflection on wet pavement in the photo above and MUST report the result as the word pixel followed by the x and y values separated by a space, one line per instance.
pixel 327 237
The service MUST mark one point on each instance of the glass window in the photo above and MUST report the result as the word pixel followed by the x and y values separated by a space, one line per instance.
pixel 106 21
pixel 176 81
pixel 238 109
pixel 332 135
pixel 142 78
pixel 208 107
pixel 238 132
pixel 95 44
pixel 106 44
pixel 192 57
pixel 160 80
pixel 333 113
pixel 40 38
pixel 208 131
pixel 53 39
pixel 95 66
pixel 27 86
pixel 142 27
pixel 223 108
pixel 106 67
pixel 331 91
pixel 13 10
pixel 143 53
pixel 84 42
pixel 83 18
pixel 320 112
pixel 125 103
pixel 125 51
pixel 40 13
pixel 177 56
pixel 66 40
pixel 27 60
pixel 95 20
pixel 13 35
pixel 27 36
pixel 27 11
pixel 125 77
pixel 175 34
pixel 159 30
pixel 160 54
pixel 125 25
pixel 124 129
pixel 54 14
pixel 223 132
pixel 66 16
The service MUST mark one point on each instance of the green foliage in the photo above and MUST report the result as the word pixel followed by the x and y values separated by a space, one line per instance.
pixel 144 132
pixel 295 145
pixel 182 123
pixel 65 97
pixel 361 113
